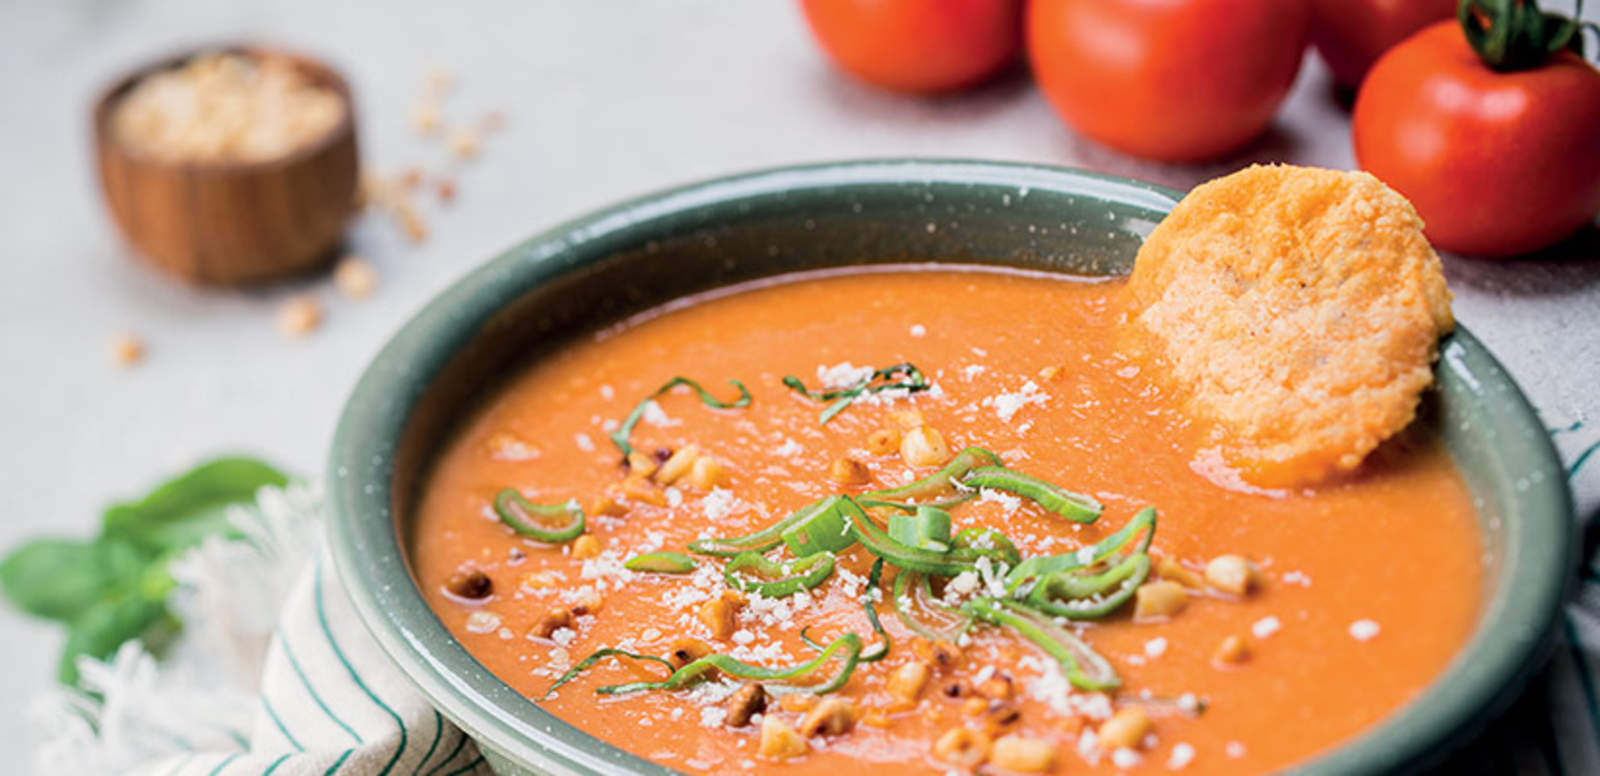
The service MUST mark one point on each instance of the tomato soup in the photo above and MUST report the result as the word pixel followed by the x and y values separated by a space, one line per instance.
pixel 1267 626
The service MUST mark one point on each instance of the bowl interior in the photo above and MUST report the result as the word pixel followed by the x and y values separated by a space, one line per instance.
pixel 598 269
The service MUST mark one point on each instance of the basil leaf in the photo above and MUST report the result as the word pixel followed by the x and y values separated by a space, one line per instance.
pixel 107 625
pixel 185 510
pixel 60 579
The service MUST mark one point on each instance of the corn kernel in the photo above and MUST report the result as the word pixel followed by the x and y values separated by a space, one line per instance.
pixel 586 547
pixel 1232 574
pixel 907 419
pixel 1125 730
pixel 962 747
pixel 641 464
pixel 1169 569
pixel 1231 652
pixel 718 614
pixel 678 465
pixel 1157 600
pixel 884 441
pixel 830 717
pixel 779 741
pixel 849 471
pixel 707 473
pixel 907 681
pixel 1022 754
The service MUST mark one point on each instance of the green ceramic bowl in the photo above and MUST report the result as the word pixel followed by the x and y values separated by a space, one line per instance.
pixel 598 268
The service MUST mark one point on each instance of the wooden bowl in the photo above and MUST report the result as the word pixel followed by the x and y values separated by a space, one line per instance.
pixel 233 223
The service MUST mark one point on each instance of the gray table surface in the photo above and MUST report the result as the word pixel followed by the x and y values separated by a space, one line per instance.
pixel 603 101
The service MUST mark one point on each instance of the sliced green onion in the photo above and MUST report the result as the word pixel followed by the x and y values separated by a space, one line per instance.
pixel 620 436
pixel 928 529
pixel 661 563
pixel 1079 596
pixel 899 555
pixel 598 656
pixel 777 580
pixel 884 642
pixel 922 613
pixel 550 523
pixel 764 539
pixel 942 488
pixel 1045 565
pixel 881 380
pixel 846 647
pixel 1082 666
pixel 1073 506
pixel 988 541
pixel 821 530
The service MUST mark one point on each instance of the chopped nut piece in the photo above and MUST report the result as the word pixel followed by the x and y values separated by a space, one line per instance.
pixel 127 349
pixel 1157 600
pixel 849 471
pixel 299 316
pixel 464 144
pixel 1232 574
pixel 1169 569
pixel 1125 730
pixel 718 614
pixel 707 473
pixel 1000 716
pixel 686 651
pixel 643 490
pixel 608 505
pixel 425 118
pixel 470 584
pixel 586 547
pixel 355 277
pixel 641 464
pixel 552 622
pixel 830 717
pixel 746 702
pixel 924 446
pixel 779 741
pixel 907 681
pixel 1232 651
pixel 998 687
pixel 943 655
pixel 1022 754
pixel 884 441
pixel 907 419
pixel 962 747
pixel 678 465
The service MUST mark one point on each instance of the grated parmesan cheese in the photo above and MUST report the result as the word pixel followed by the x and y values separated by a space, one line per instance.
pixel 1182 755
pixel 1266 626
pixel 1364 630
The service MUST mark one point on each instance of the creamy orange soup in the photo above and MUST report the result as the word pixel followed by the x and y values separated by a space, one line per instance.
pixel 1363 589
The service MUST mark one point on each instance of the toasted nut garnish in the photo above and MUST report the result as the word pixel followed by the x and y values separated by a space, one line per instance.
pixel 779 741
pixel 1157 600
pixel 678 465
pixel 1000 716
pixel 641 464
pixel 470 584
pixel 718 614
pixel 642 490
pixel 1022 754
pixel 907 681
pixel 707 473
pixel 962 747
pixel 924 447
pixel 944 655
pixel 1232 574
pixel 686 651
pixel 849 471
pixel 746 702
pixel 355 277
pixel 608 505
pixel 127 349
pixel 998 687
pixel 552 622
pixel 884 441
pixel 1125 730
pixel 586 547
pixel 830 717
pixel 1169 569
pixel 1232 651
pixel 299 315
pixel 907 419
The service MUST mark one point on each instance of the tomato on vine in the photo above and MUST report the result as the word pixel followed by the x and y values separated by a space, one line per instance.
pixel 1490 125
pixel 1351 34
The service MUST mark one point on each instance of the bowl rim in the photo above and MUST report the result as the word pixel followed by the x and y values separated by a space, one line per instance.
pixel 1480 682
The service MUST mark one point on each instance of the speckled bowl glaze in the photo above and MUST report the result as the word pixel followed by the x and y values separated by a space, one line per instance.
pixel 601 267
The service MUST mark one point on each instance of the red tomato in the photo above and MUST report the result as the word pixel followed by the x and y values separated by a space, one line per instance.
pixel 919 46
pixel 1497 164
pixel 1351 34
pixel 1176 80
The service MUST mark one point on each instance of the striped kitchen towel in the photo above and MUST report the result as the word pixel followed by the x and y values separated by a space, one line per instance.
pixel 274 674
